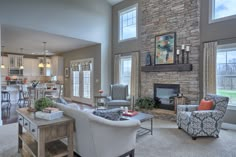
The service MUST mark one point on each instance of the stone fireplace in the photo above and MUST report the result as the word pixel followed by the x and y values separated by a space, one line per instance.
pixel 182 17
pixel 164 95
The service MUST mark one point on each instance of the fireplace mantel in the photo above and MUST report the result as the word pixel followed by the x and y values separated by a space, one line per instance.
pixel 167 68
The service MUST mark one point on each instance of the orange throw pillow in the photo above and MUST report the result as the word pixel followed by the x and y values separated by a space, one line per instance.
pixel 205 105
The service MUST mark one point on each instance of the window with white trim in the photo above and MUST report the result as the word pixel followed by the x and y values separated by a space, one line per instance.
pixel 75 83
pixel 125 70
pixel 222 9
pixel 86 80
pixel 226 73
pixel 128 23
pixel 82 80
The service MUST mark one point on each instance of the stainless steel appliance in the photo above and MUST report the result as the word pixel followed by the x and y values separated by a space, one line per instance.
pixel 17 72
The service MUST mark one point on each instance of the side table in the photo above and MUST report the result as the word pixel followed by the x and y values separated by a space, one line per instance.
pixel 42 137
pixel 182 100
pixel 100 100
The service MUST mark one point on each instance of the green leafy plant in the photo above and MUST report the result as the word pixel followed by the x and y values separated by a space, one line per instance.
pixel 145 103
pixel 42 103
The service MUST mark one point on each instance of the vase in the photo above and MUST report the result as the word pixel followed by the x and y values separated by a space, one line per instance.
pixel 148 59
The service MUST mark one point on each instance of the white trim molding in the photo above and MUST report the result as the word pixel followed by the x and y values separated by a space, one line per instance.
pixel 212 14
pixel 123 11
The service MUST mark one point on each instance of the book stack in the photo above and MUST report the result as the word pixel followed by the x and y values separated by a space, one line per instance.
pixel 49 113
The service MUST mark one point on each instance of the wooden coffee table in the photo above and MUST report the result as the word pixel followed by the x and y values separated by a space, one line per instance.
pixel 142 117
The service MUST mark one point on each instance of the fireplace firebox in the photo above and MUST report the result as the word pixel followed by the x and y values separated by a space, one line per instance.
pixel 164 95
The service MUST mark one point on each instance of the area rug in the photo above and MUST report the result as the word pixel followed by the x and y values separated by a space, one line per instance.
pixel 165 142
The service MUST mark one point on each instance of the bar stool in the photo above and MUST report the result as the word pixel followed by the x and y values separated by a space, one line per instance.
pixel 6 101
pixel 23 97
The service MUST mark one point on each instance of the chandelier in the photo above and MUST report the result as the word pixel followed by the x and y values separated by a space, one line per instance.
pixel 44 63
pixel 21 64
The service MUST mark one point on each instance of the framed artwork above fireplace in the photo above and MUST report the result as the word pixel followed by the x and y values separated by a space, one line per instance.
pixel 165 48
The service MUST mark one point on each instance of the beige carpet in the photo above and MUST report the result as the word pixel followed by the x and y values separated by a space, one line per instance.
pixel 167 141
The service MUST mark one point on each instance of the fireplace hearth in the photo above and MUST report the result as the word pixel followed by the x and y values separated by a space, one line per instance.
pixel 164 95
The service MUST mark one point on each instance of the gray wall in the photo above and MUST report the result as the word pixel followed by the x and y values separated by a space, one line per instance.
pixel 82 19
pixel 0 79
pixel 128 45
pixel 88 52
pixel 218 31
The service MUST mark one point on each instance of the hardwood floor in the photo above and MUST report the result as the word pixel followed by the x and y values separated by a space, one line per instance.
pixel 9 116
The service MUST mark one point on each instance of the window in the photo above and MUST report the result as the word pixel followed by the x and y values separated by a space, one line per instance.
pixel 226 73
pixel 125 70
pixel 76 83
pixel 86 78
pixel 82 78
pixel 222 9
pixel 128 23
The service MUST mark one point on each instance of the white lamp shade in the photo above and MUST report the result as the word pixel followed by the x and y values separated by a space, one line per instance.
pixel 48 65
pixel 40 65
pixel 2 66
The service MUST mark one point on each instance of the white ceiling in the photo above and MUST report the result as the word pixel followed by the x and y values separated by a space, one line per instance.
pixel 14 38
pixel 113 2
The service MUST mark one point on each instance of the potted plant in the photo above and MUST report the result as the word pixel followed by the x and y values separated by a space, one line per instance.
pixel 43 103
pixel 145 103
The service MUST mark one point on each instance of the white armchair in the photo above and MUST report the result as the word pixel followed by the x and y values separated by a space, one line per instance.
pixel 99 137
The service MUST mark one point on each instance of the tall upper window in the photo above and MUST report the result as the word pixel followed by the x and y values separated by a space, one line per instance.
pixel 222 9
pixel 128 23
pixel 125 70
pixel 226 73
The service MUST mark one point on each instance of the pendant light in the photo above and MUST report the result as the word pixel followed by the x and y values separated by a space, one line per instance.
pixel 2 65
pixel 21 64
pixel 44 63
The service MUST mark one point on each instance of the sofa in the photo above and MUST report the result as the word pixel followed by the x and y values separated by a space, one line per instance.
pixel 99 137
pixel 205 122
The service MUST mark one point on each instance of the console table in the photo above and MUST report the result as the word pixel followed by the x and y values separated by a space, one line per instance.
pixel 42 137
pixel 100 98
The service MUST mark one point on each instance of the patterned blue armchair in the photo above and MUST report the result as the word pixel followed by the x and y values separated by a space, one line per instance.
pixel 202 123
pixel 119 96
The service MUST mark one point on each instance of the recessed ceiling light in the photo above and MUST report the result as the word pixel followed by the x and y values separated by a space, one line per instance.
pixel 32 53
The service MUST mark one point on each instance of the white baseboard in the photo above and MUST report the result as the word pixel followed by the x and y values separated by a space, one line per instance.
pixel 228 126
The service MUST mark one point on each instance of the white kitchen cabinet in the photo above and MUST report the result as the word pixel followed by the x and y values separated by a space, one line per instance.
pixel 27 66
pixel 35 68
pixel 31 67
pixel 5 71
pixel 57 66
pixel 15 61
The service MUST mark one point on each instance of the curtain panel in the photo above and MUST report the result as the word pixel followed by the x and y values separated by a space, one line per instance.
pixel 209 68
pixel 117 69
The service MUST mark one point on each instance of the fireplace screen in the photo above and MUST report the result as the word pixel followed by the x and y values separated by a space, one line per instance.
pixel 164 95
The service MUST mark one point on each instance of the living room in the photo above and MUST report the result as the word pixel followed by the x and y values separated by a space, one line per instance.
pixel 201 37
